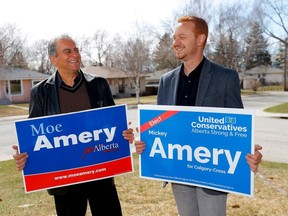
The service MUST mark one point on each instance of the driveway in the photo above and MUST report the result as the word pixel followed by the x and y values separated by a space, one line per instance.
pixel 270 129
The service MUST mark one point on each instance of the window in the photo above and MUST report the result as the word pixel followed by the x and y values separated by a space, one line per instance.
pixel 15 87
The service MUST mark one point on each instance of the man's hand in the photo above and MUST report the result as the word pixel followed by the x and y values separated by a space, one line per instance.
pixel 254 159
pixel 140 146
pixel 20 159
pixel 128 135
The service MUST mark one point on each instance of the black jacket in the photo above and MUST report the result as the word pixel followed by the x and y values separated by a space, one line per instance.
pixel 44 101
pixel 44 96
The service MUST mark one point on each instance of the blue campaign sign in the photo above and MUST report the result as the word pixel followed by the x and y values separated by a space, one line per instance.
pixel 199 146
pixel 83 143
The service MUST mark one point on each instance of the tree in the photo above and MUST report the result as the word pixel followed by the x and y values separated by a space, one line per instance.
pixel 11 44
pixel 133 56
pixel 198 8
pixel 163 55
pixel 280 56
pixel 256 47
pixel 18 60
pixel 96 48
pixel 275 17
pixel 102 45
pixel 84 45
pixel 3 60
pixel 225 41
pixel 39 59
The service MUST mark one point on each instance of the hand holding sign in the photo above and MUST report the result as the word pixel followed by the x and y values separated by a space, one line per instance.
pixel 197 146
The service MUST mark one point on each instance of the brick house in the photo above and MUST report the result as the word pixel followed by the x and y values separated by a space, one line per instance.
pixel 119 81
pixel 16 84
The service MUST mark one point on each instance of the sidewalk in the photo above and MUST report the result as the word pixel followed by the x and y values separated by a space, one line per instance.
pixel 270 128
pixel 261 112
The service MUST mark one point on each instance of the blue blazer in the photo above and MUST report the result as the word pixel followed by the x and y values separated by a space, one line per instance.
pixel 218 87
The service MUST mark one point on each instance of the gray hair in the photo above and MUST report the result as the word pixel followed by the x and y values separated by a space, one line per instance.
pixel 52 44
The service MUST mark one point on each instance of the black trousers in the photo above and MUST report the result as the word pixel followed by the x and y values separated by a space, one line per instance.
pixel 101 195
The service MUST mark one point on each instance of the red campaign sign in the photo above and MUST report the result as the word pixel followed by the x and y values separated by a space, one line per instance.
pixel 157 120
pixel 67 177
pixel 94 149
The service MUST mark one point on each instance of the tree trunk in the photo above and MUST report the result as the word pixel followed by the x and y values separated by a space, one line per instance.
pixel 137 90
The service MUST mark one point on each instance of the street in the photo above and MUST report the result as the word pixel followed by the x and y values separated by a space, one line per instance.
pixel 270 129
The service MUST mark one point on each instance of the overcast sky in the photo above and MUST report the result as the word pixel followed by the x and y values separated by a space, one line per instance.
pixel 44 19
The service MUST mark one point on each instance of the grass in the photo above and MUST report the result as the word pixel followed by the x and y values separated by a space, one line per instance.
pixel 281 108
pixel 12 111
pixel 144 197
pixel 270 88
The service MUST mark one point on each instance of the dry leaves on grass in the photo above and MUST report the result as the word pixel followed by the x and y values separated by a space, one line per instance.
pixel 270 196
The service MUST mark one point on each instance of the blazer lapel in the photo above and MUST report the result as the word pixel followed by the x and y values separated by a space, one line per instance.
pixel 175 82
pixel 204 81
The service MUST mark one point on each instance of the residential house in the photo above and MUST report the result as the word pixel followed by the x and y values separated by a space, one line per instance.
pixel 263 75
pixel 120 83
pixel 152 81
pixel 16 84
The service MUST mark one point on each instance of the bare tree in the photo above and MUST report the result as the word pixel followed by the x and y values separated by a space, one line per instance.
pixel 198 8
pixel 227 40
pixel 10 43
pixel 102 44
pixel 133 56
pixel 275 17
pixel 274 14
pixel 18 60
pixel 94 50
pixel 163 54
pixel 39 59
pixel 84 45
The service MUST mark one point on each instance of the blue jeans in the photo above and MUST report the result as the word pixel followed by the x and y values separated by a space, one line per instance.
pixel 196 201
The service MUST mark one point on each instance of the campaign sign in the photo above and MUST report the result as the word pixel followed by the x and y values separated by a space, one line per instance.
pixel 76 147
pixel 198 146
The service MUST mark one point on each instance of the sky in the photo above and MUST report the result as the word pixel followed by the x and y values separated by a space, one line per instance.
pixel 45 19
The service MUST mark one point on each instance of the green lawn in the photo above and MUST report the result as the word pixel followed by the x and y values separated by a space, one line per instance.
pixel 281 108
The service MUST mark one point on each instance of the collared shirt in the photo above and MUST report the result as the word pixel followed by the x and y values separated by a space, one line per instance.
pixel 77 82
pixel 75 98
pixel 188 86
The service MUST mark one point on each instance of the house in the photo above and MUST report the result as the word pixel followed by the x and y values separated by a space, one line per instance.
pixel 263 75
pixel 16 84
pixel 152 81
pixel 120 83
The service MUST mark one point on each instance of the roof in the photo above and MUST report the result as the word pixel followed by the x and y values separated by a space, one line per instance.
pixel 13 73
pixel 264 70
pixel 107 72
pixel 156 75
pixel 152 84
